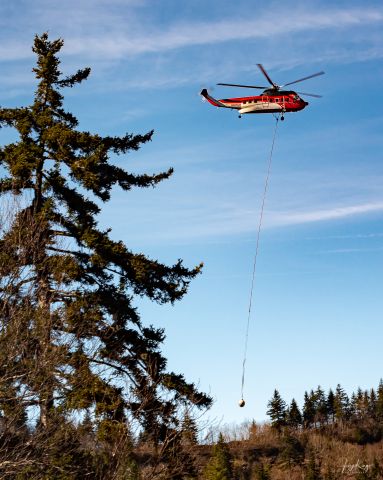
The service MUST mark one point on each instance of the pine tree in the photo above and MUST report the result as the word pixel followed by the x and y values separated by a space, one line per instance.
pixel 67 287
pixel 320 406
pixel 371 410
pixel 366 403
pixel 308 409
pixel 359 403
pixel 330 403
pixel 379 401
pixel 277 411
pixel 189 430
pixel 220 464
pixel 294 416
pixel 341 404
pixel 292 450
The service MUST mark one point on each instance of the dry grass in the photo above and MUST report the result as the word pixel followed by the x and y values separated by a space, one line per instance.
pixel 333 453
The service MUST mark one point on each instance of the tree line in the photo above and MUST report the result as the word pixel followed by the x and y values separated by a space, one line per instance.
pixel 334 408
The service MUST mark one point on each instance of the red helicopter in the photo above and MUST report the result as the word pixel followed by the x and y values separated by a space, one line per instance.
pixel 272 100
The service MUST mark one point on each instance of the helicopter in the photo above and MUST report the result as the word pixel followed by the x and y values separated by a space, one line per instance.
pixel 273 99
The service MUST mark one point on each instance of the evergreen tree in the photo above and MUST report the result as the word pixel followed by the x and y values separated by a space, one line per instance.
pixel 294 416
pixel 292 451
pixel 379 401
pixel 277 411
pixel 330 403
pixel 359 403
pixel 341 404
pixel 308 409
pixel 366 403
pixel 320 406
pixel 371 410
pixel 189 430
pixel 220 464
pixel 67 287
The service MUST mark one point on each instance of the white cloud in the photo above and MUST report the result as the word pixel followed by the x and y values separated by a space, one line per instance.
pixel 192 34
pixel 332 213
pixel 212 221
pixel 116 29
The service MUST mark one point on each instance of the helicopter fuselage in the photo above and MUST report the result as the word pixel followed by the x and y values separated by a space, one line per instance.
pixel 268 102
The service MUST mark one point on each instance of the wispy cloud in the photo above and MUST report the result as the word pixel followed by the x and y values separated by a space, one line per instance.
pixel 193 34
pixel 152 51
pixel 332 213
pixel 94 29
pixel 191 223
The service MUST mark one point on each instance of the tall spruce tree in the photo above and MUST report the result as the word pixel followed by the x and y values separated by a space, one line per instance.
pixel 294 416
pixel 67 287
pixel 308 409
pixel 341 404
pixel 330 404
pixel 372 404
pixel 277 410
pixel 320 406
pixel 379 401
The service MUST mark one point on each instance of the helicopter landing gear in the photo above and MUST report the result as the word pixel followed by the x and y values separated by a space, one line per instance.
pixel 282 118
pixel 239 116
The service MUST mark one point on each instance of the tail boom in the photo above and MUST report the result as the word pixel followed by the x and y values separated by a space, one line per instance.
pixel 212 100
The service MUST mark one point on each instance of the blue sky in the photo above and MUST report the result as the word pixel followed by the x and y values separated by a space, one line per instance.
pixel 317 303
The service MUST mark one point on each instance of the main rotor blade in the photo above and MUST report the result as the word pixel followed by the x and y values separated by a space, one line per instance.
pixel 236 85
pixel 260 66
pixel 305 78
pixel 310 94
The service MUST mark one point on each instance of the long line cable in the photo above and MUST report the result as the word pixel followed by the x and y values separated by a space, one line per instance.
pixel 256 256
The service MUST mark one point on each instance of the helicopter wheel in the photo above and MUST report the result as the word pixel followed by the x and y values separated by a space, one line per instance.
pixel 239 116
pixel 282 118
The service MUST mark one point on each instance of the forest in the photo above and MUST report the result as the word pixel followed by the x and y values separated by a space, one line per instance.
pixel 85 391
